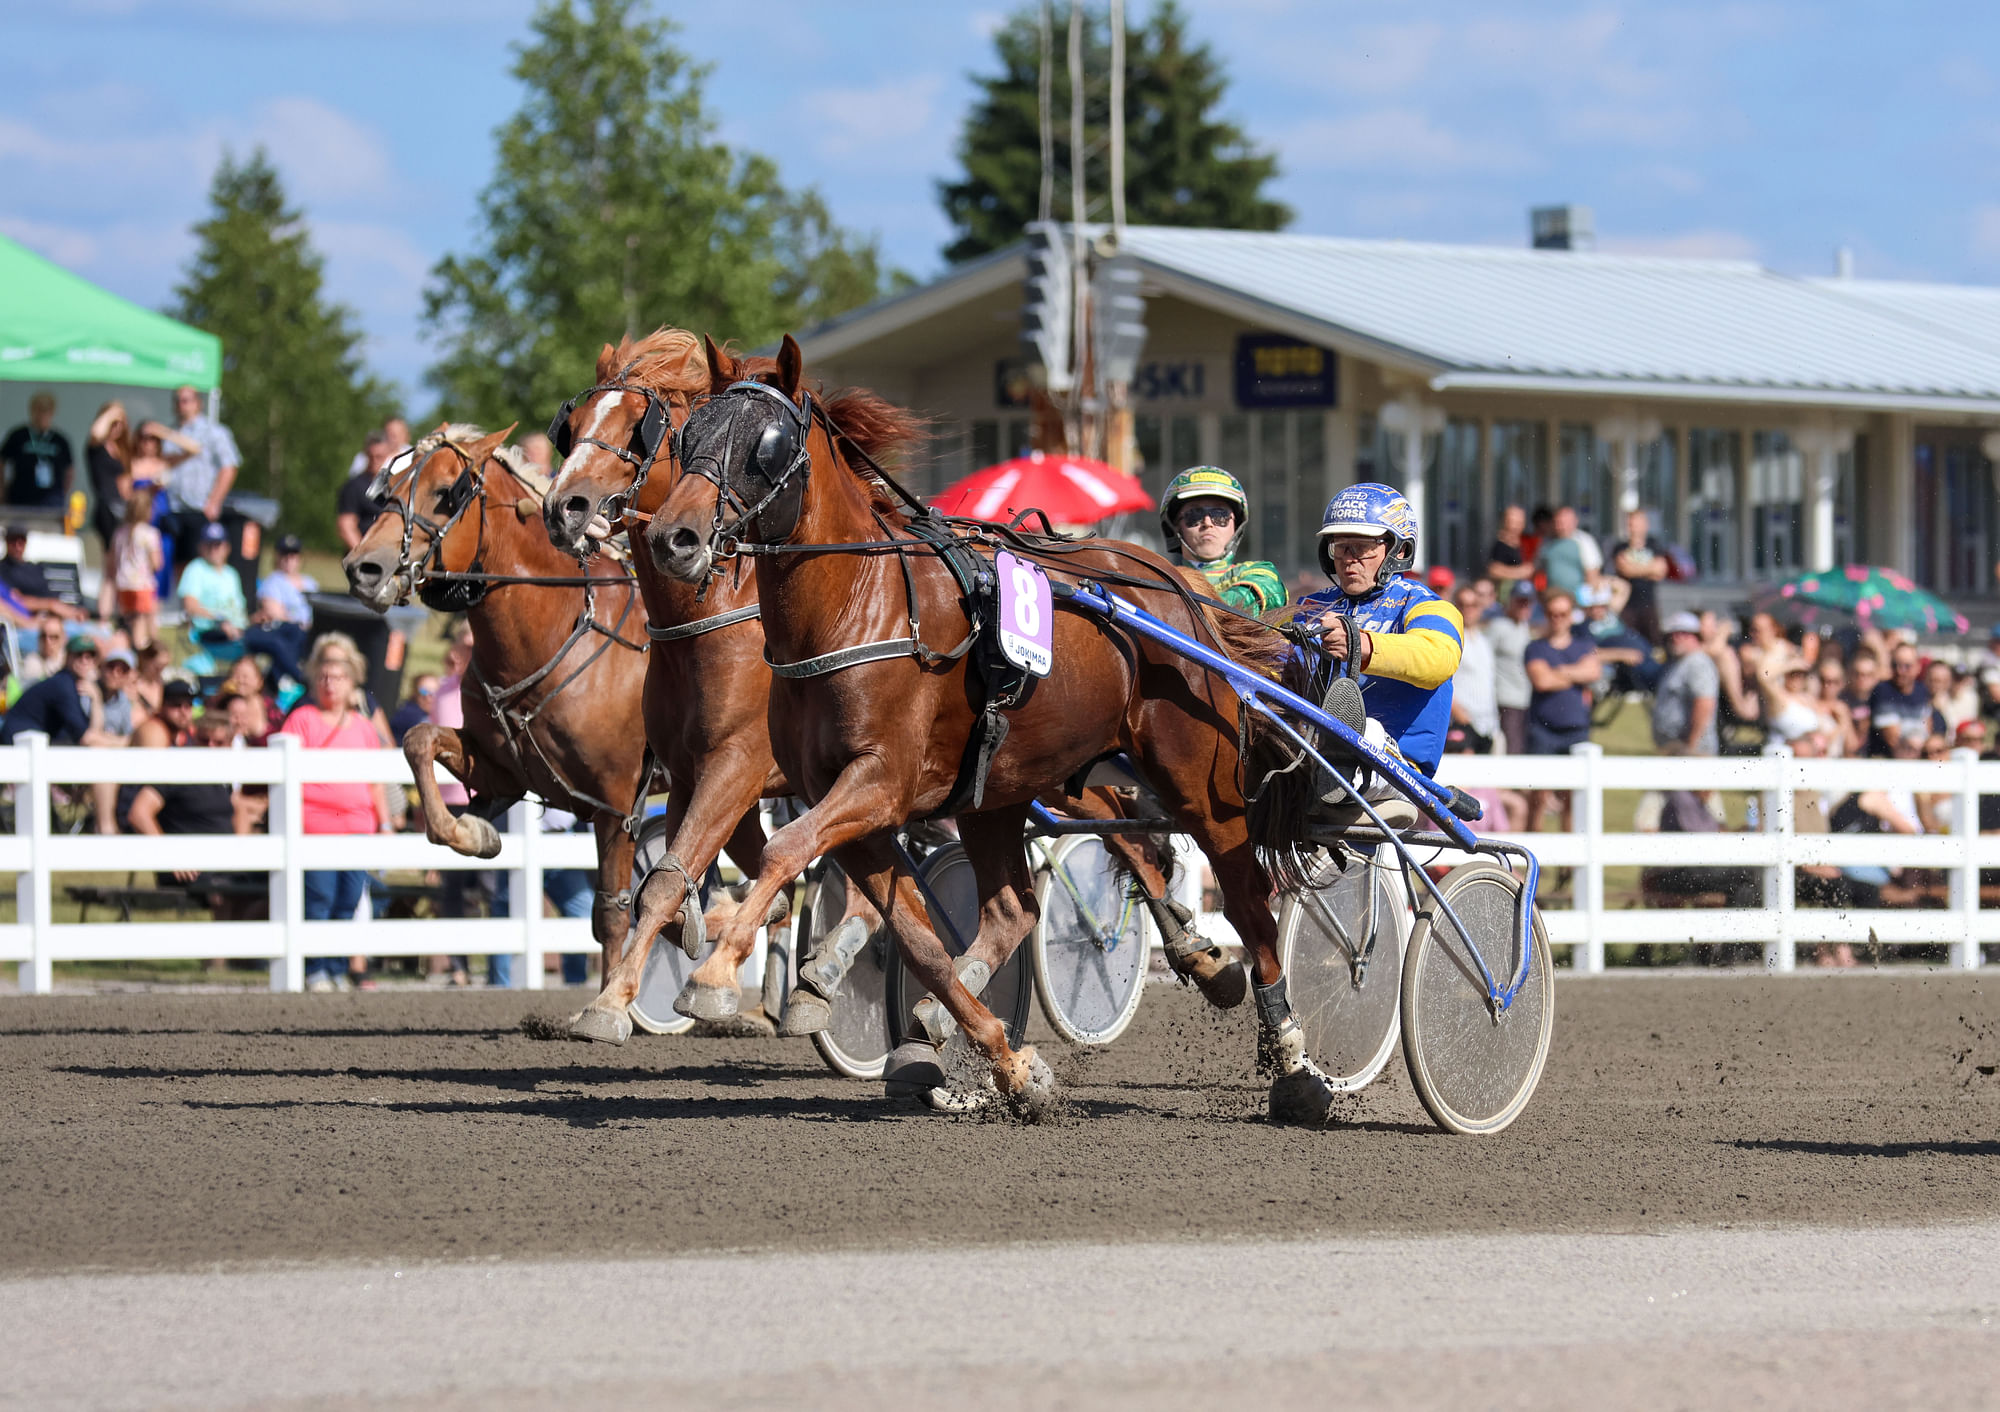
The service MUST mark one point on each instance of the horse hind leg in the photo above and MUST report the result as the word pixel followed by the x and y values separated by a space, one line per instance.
pixel 809 1007
pixel 1219 976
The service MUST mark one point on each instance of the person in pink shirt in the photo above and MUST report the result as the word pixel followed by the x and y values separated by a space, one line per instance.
pixel 462 886
pixel 334 718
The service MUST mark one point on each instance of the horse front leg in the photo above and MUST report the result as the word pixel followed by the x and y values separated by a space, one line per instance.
pixel 611 910
pixel 427 746
pixel 711 993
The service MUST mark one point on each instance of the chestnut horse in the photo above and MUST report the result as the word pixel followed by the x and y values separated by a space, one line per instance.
pixel 873 709
pixel 707 693
pixel 553 653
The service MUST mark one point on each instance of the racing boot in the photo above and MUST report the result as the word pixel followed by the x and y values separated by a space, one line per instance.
pixel 1218 976
pixel 1301 1096
pixel 809 1008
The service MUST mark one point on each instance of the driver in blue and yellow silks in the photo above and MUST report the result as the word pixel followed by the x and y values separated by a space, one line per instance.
pixel 1204 514
pixel 1406 640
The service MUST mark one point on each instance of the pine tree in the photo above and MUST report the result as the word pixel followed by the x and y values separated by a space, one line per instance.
pixel 614 209
pixel 293 388
pixel 1184 165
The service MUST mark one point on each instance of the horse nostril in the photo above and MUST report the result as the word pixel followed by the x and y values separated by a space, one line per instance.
pixel 683 542
pixel 366 571
pixel 576 512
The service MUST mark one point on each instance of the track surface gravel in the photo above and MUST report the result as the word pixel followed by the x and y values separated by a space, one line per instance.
pixel 177 1132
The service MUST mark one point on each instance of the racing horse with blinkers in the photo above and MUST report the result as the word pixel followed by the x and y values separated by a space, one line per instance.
pixel 708 685
pixel 552 650
pixel 885 696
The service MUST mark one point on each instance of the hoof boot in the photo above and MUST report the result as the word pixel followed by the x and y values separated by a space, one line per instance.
pixel 1037 1098
pixel 708 1002
pixel 805 1014
pixel 1302 1098
pixel 930 1014
pixel 604 1026
pixel 913 1070
pixel 476 837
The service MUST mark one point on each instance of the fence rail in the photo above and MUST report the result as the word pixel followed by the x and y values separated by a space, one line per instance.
pixel 36 854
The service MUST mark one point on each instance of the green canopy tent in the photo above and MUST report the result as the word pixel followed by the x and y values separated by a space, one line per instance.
pixel 59 327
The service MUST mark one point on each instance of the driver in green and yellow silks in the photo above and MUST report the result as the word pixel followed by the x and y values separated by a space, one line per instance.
pixel 1204 514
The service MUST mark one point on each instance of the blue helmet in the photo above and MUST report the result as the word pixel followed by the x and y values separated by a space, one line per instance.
pixel 1376 509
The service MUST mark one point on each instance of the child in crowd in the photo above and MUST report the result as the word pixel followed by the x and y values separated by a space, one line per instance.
pixel 136 559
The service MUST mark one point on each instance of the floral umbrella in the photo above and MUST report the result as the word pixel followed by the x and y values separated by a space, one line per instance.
pixel 1880 598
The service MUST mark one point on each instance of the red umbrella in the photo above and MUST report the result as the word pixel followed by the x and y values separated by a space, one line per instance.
pixel 1068 489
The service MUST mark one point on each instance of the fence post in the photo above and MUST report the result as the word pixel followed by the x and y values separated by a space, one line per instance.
pixel 288 884
pixel 1587 893
pixel 1965 878
pixel 33 902
pixel 526 887
pixel 1780 881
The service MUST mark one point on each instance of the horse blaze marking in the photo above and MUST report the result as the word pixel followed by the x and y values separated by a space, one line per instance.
pixel 1027 627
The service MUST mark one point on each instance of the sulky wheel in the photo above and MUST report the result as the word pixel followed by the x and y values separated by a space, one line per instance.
pixel 856 1042
pixel 1008 994
pixel 667 967
pixel 1341 945
pixel 1091 946
pixel 1473 1069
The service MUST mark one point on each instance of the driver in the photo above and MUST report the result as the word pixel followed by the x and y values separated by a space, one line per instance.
pixel 1402 639
pixel 1203 517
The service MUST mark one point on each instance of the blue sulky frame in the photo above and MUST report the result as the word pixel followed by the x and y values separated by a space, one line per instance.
pixel 1266 697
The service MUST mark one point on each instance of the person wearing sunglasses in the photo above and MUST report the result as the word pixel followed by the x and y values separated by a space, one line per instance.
pixel 1204 516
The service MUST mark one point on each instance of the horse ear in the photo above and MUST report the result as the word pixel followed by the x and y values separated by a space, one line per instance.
pixel 492 441
pixel 791 367
pixel 607 362
pixel 721 367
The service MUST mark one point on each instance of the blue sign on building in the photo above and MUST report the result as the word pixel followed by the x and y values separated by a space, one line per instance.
pixel 1277 370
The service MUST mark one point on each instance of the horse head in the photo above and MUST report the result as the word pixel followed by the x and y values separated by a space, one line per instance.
pixel 611 436
pixel 427 499
pixel 743 462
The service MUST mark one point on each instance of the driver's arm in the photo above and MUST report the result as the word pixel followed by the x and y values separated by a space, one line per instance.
pixel 1426 652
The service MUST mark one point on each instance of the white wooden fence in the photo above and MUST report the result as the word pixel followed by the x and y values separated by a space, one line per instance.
pixel 37 855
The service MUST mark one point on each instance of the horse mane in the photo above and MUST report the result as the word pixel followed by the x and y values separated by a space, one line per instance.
pixel 669 361
pixel 1253 644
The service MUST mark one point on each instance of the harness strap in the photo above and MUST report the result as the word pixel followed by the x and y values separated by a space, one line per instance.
pixel 844 657
pixel 702 625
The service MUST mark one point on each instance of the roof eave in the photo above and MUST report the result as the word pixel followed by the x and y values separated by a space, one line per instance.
pixel 1847 399
pixel 859 327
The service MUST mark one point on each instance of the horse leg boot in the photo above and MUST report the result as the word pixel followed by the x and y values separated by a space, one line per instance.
pixel 605 1019
pixel 711 994
pixel 1300 1093
pixel 809 1008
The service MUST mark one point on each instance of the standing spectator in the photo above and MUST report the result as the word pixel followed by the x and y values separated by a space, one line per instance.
pixel 331 721
pixel 540 454
pixel 416 707
pixel 1541 529
pixel 1475 709
pixel 1510 635
pixel 396 432
pixel 281 594
pixel 1507 561
pixel 1561 667
pixel 29 584
pixel 109 460
pixel 64 705
pixel 355 509
pixel 149 470
pixel 212 597
pixel 1899 708
pixel 204 465
pixel 41 468
pixel 1640 559
pixel 1684 701
pixel 135 560
pixel 1569 559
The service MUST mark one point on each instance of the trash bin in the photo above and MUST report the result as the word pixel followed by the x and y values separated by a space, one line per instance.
pixel 248 518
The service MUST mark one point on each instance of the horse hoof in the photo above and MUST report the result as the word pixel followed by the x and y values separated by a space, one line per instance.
pixel 1302 1098
pixel 476 837
pixel 604 1026
pixel 708 1002
pixel 1225 986
pixel 805 1014
pixel 748 1024
pixel 912 1071
pixel 1037 1098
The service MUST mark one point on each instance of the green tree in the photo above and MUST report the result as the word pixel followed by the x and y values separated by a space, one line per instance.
pixel 293 387
pixel 1184 164
pixel 614 209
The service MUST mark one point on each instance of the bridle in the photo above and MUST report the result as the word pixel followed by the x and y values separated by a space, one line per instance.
pixel 782 458
pixel 440 588
pixel 654 429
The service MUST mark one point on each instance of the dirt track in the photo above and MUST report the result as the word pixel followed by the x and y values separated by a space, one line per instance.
pixel 164 1131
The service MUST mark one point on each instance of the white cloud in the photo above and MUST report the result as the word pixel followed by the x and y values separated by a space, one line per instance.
pixel 323 154
pixel 66 245
pixel 1709 243
pixel 896 121
pixel 1986 230
pixel 1397 139
pixel 987 23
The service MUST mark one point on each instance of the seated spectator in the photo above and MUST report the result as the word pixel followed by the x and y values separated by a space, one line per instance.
pixel 160 809
pixel 246 681
pixel 120 719
pixel 1627 657
pixel 1685 811
pixel 30 586
pixel 1739 708
pixel 281 594
pixel 171 724
pixel 1880 811
pixel 149 681
pixel 1864 674
pixel 212 596
pixel 1954 699
pixel 64 706
pixel 136 556
pixel 1899 709
pixel 416 707
pixel 1790 707
pixel 45 658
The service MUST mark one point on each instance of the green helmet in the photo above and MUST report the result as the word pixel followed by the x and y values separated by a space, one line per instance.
pixel 1203 483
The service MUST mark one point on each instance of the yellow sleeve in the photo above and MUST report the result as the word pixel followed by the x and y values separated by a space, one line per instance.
pixel 1426 653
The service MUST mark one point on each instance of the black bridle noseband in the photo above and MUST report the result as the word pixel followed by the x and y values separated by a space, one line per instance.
pixel 436 586
pixel 654 429
pixel 782 459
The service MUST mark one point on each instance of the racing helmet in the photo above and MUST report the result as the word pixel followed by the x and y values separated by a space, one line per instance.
pixel 1371 508
pixel 1203 483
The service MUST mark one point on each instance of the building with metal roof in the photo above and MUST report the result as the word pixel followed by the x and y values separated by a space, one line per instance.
pixel 1767 423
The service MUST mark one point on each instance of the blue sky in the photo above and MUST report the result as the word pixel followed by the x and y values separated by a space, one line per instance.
pixel 1768 131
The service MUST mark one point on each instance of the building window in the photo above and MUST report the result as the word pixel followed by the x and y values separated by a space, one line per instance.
pixel 1777 506
pixel 1455 524
pixel 1273 496
pixel 1850 540
pixel 1711 523
pixel 1520 462
pixel 1308 488
pixel 1584 476
pixel 1968 500
pixel 1659 494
